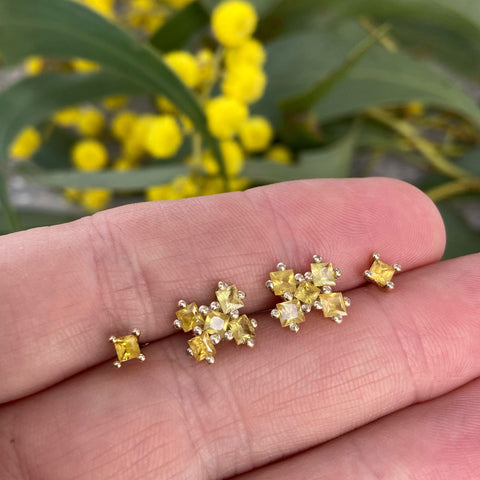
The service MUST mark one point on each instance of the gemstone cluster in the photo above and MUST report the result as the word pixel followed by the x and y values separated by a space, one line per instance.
pixel 303 292
pixel 219 321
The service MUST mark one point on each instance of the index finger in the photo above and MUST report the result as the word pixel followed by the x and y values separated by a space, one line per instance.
pixel 66 289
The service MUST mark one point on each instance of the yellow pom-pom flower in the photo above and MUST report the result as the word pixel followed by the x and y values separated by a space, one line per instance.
pixel 225 115
pixel 184 187
pixel 165 105
pixel 251 52
pixel 123 164
pixel 115 102
pixel 89 155
pixel 34 65
pixel 26 144
pixel 160 192
pixel 91 122
pixel 72 194
pixel 84 66
pixel 233 22
pixel 256 134
pixel 134 144
pixel 232 155
pixel 103 7
pixel 67 117
pixel 164 137
pixel 206 66
pixel 122 125
pixel 280 154
pixel 184 64
pixel 95 199
pixel 245 82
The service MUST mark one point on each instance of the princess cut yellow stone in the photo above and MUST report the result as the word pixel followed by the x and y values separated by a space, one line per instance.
pixel 127 348
pixel 242 329
pixel 229 299
pixel 382 273
pixel 201 347
pixel 283 282
pixel 333 304
pixel 323 274
pixel 216 322
pixel 189 317
pixel 290 312
pixel 307 293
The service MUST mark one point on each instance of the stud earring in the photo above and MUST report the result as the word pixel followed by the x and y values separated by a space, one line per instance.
pixel 127 348
pixel 219 321
pixel 304 292
pixel 381 274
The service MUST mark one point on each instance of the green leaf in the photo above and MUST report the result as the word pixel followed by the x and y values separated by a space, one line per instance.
pixel 263 7
pixel 126 180
pixel 59 28
pixel 388 79
pixel 9 217
pixel 332 162
pixel 55 150
pixel 462 239
pixel 308 98
pixel 35 218
pixel 180 27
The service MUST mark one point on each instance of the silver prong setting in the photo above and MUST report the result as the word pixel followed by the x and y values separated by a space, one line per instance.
pixel 234 314
pixel 347 301
pixel 368 274
pixel 299 278
pixel 136 332
pixel 397 267
pixel 197 331
pixel 294 327
pixel 390 286
pixel 275 313
pixel 229 335
pixel 241 295
pixel 306 308
pixel 308 276
pixel 288 296
pixel 189 352
pixel 281 267
pixel 177 324
pixel 112 339
pixel 317 259
pixel 326 289
pixel 250 342
pixel 337 319
pixel 376 256
pixel 317 305
pixel 269 285
pixel 337 272
pixel 203 309
pixel 215 306
pixel 215 338
pixel 210 360
pixel 254 323
pixel 117 364
pixel 222 285
pixel 182 304
pixel 141 357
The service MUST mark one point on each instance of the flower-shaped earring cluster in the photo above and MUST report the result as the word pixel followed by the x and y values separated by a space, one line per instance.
pixel 220 321
pixel 301 293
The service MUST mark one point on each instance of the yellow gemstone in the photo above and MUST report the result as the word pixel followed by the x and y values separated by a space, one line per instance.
pixel 382 273
pixel 242 329
pixel 307 293
pixel 323 274
pixel 333 304
pixel 229 299
pixel 201 347
pixel 127 348
pixel 189 317
pixel 290 312
pixel 283 282
pixel 216 322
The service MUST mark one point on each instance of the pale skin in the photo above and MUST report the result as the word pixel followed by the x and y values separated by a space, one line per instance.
pixel 392 392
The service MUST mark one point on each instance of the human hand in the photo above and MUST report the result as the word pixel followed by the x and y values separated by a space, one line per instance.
pixel 389 393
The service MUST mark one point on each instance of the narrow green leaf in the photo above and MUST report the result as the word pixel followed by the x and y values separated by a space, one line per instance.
pixel 9 215
pixel 307 99
pixel 332 162
pixel 34 218
pixel 180 27
pixel 59 28
pixel 128 180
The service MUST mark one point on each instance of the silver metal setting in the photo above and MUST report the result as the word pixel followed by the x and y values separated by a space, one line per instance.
pixel 117 364
pixel 390 286
pixel 317 305
pixel 215 338
pixel 112 339
pixel 338 272
pixel 235 314
pixel 197 331
pixel 229 335
pixel 189 352
pixel 210 360
pixel 275 313
pixel 203 309
pixel 299 278
pixel 308 276
pixel 306 308
pixel 182 304
pixel 254 323
pixel 215 306
pixel 326 289
pixel 376 256
pixel 288 296
pixel 136 332
pixel 368 273
pixel 294 327
pixel 250 342
pixel 347 301
pixel 317 259
pixel 141 357
pixel 337 319
pixel 281 267
pixel 222 285
pixel 397 267
pixel 177 324
pixel 241 295
pixel 269 285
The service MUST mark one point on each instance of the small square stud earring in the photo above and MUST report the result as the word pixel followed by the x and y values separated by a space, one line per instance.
pixel 381 273
pixel 127 347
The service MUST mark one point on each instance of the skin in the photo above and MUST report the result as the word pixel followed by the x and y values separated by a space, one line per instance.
pixel 390 393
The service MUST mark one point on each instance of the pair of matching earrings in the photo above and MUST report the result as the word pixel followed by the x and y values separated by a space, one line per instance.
pixel 221 320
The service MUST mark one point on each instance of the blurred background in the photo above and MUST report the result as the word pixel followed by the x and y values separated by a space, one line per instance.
pixel 105 102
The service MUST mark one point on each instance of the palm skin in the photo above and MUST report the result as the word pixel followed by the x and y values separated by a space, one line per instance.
pixel 390 393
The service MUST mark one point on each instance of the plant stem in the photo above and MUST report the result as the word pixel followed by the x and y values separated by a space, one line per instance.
pixel 452 189
pixel 429 151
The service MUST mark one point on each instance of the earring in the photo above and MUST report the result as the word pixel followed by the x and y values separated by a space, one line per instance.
pixel 304 292
pixel 220 321
pixel 381 273
pixel 127 348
